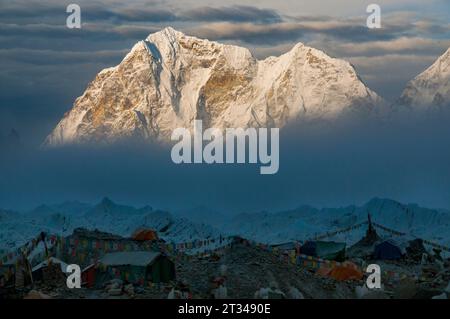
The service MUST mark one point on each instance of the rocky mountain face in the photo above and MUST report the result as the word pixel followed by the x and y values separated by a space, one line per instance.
pixel 431 88
pixel 170 79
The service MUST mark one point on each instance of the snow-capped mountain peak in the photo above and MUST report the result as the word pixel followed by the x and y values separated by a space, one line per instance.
pixel 431 88
pixel 170 79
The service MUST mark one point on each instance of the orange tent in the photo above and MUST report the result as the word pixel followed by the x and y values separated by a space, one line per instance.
pixel 346 271
pixel 323 271
pixel 144 234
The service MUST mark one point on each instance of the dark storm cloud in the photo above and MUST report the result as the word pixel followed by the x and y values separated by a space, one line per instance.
pixel 91 32
pixel 275 33
pixel 305 28
pixel 245 24
pixel 402 45
pixel 232 14
pixel 50 57
pixel 40 30
pixel 198 14
pixel 248 32
pixel 32 11
pixel 108 23
pixel 92 12
pixel 130 15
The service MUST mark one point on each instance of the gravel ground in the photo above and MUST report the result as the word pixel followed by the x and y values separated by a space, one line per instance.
pixel 250 268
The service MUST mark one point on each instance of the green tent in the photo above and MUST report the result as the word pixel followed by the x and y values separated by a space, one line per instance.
pixel 136 267
pixel 330 250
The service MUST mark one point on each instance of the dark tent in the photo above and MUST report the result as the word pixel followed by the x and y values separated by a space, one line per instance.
pixel 309 248
pixel 387 250
pixel 415 249
pixel 136 267
pixel 328 250
pixel 286 246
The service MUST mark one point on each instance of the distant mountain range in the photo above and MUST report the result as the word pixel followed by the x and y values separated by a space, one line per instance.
pixel 10 141
pixel 17 228
pixel 305 221
pixel 301 223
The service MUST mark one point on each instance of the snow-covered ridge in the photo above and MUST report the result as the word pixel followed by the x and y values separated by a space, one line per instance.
pixel 170 79
pixel 301 223
pixel 431 88
pixel 18 228
pixel 305 222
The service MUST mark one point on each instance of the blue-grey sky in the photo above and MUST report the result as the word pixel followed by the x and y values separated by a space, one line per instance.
pixel 45 66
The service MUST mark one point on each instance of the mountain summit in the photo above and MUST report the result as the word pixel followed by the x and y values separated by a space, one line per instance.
pixel 431 88
pixel 170 79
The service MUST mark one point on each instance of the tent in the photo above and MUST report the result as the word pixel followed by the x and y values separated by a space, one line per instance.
pixel 136 267
pixel 309 248
pixel 387 250
pixel 285 246
pixel 329 250
pixel 88 276
pixel 144 234
pixel 346 271
pixel 415 249
pixel 38 271
pixel 53 261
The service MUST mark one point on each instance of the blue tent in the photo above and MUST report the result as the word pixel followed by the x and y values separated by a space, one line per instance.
pixel 387 250
pixel 309 248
